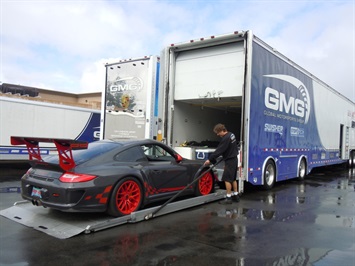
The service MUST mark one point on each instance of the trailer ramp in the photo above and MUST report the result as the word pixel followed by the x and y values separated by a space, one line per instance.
pixel 65 225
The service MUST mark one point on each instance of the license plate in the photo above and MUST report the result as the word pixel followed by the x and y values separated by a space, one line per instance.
pixel 36 192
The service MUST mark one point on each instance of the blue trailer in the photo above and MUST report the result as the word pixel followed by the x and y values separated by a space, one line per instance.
pixel 287 120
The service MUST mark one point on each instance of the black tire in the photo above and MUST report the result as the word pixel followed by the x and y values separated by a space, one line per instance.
pixel 302 169
pixel 126 197
pixel 269 175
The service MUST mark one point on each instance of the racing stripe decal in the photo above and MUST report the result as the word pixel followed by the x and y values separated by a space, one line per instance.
pixel 103 197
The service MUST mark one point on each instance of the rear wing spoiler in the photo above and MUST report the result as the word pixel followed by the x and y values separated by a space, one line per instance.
pixel 64 148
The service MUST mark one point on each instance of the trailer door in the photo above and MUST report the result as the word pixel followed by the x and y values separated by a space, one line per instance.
pixel 210 72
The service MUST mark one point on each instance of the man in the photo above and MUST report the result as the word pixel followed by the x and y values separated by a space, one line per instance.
pixel 228 149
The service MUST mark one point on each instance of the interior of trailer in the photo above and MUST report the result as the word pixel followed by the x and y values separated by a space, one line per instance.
pixel 193 124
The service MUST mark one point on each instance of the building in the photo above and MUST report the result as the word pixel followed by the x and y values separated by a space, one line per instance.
pixel 90 100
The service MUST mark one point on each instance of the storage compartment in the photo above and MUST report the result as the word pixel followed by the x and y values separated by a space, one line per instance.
pixel 194 123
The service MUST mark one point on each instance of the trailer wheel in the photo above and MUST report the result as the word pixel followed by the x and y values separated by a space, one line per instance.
pixel 269 175
pixel 126 197
pixel 205 185
pixel 302 169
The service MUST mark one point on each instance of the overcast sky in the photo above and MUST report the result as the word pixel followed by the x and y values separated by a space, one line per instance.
pixel 64 45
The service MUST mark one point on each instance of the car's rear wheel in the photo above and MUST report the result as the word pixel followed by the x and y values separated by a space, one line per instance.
pixel 126 197
pixel 205 185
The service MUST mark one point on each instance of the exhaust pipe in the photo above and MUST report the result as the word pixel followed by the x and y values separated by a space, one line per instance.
pixel 36 202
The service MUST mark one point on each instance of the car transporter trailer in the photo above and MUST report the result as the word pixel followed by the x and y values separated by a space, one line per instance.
pixel 64 225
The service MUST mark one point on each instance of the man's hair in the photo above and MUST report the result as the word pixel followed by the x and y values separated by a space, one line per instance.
pixel 218 128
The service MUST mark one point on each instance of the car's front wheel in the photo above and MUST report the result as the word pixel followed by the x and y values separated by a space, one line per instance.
pixel 127 197
pixel 205 185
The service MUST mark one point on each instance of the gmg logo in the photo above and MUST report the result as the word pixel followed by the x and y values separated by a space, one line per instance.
pixel 127 84
pixel 279 101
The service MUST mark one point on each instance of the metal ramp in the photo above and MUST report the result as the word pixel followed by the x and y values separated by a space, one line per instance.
pixel 65 225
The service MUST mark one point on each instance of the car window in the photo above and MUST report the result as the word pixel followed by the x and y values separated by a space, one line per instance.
pixel 134 154
pixel 157 153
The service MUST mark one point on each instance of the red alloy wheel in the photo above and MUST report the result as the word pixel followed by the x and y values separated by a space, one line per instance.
pixel 205 184
pixel 128 197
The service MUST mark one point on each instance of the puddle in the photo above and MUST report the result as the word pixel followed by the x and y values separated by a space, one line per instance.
pixel 314 256
pixel 298 198
pixel 258 215
pixel 335 220
pixel 338 257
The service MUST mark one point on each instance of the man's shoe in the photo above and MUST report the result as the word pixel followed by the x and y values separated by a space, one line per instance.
pixel 236 198
pixel 227 200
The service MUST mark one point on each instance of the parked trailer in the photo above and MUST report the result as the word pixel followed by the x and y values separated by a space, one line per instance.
pixel 130 100
pixel 288 121
pixel 20 117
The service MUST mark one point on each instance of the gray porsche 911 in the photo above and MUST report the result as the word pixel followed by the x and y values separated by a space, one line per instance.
pixel 113 176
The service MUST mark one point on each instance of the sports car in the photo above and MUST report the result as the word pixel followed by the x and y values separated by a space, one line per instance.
pixel 113 176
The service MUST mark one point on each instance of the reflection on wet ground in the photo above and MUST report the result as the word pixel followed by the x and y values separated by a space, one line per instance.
pixel 297 223
pixel 263 215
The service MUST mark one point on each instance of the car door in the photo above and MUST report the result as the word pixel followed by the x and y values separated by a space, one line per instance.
pixel 164 173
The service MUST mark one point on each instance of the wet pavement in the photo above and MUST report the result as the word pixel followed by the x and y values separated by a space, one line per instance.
pixel 296 223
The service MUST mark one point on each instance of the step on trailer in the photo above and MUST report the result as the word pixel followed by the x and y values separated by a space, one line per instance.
pixel 278 111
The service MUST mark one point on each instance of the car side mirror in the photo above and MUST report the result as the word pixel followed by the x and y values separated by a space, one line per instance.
pixel 178 158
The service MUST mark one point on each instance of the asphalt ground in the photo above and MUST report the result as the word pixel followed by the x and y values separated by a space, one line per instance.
pixel 307 222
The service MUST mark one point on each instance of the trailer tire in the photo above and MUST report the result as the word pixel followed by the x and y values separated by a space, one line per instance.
pixel 302 169
pixel 126 197
pixel 205 185
pixel 269 175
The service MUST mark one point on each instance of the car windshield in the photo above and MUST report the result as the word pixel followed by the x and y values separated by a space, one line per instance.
pixel 94 149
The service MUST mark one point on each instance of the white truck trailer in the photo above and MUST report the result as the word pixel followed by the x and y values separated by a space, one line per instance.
pixel 20 117
pixel 130 101
pixel 287 120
